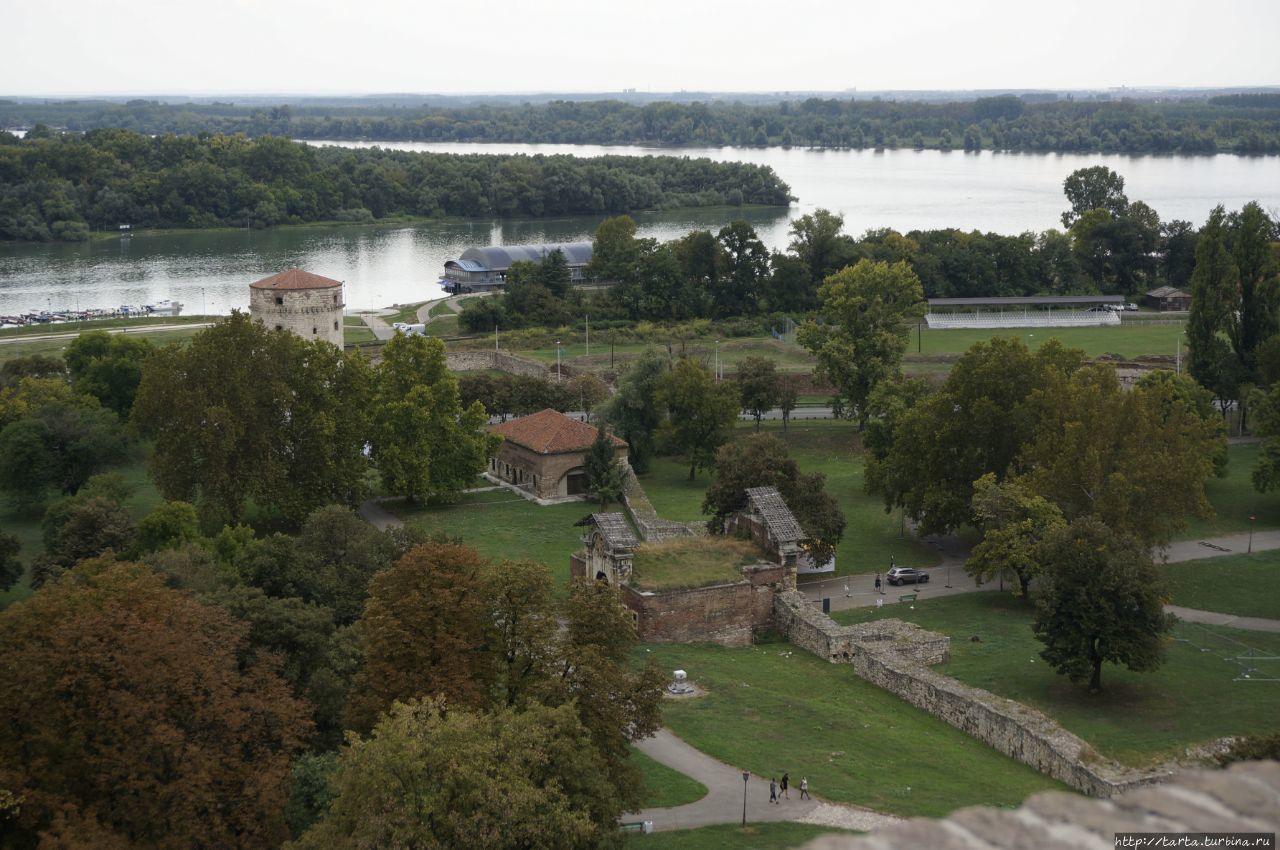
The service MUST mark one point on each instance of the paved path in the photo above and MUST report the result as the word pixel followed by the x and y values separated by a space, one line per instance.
pixel 378 516
pixel 950 571
pixel 723 803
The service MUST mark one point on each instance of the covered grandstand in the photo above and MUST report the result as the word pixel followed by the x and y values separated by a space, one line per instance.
pixel 1059 311
pixel 483 269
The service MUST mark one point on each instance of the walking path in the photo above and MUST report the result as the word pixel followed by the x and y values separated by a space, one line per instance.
pixel 725 792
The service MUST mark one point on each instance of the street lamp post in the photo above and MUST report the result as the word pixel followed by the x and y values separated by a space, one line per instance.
pixel 557 361
pixel 717 359
pixel 746 777
pixel 1251 519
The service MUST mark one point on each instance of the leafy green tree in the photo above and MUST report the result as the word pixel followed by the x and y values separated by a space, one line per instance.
pixel 817 241
pixel 34 366
pixel 929 449
pixel 1214 301
pixel 604 473
pixel 702 412
pixel 309 790
pixel 1093 188
pixel 78 529
pixel 633 413
pixel 425 445
pixel 244 412
pixel 336 543
pixel 11 568
pixel 59 446
pixel 615 252
pixel 108 367
pixel 440 779
pixel 759 386
pixel 170 526
pixel 1136 459
pixel 869 310
pixel 169 740
pixel 1100 599
pixel 1014 523
pixel 788 398
pixel 746 269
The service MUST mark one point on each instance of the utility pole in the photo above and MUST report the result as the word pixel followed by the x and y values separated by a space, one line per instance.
pixel 588 334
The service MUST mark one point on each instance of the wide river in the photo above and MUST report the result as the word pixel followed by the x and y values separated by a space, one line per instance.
pixel 383 265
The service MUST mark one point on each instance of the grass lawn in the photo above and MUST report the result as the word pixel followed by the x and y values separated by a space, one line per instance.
pixel 1139 718
pixel 1244 585
pixel 407 313
pixel 757 836
pixel 101 325
pixel 664 787
pixel 55 347
pixel 828 446
pixel 442 308
pixel 444 326
pixel 1234 500
pixel 1129 339
pixel 773 708
pixel 501 524
pixel 353 334
pixel 789 357
pixel 693 562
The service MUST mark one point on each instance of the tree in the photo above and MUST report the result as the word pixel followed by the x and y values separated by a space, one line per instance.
pixel 1100 598
pixel 34 366
pixel 246 412
pixel 1137 459
pixel 615 252
pixel 10 567
pixel 108 367
pixel 759 386
pixel 338 544
pixel 169 741
pixel 1093 188
pixel 702 411
pixel 746 268
pixel 817 241
pixel 79 528
pixel 424 630
pixel 604 472
pixel 928 449
pixel 587 390
pixel 634 413
pixel 438 778
pixel 58 445
pixel 1014 523
pixel 869 309
pixel 788 397
pixel 169 526
pixel 425 445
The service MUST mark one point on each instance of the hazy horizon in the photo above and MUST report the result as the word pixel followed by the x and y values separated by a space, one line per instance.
pixel 293 47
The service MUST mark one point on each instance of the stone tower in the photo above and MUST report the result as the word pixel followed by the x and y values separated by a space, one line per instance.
pixel 300 302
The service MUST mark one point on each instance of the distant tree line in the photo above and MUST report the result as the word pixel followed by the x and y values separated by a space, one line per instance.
pixel 1241 123
pixel 62 186
pixel 1110 244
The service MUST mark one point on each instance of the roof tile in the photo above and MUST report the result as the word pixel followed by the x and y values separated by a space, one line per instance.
pixel 549 432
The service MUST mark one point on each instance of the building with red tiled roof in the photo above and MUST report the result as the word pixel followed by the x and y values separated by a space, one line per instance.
pixel 545 453
pixel 300 302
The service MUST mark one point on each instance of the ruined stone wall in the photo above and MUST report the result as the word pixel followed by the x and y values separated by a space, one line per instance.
pixel 482 361
pixel 727 614
pixel 895 656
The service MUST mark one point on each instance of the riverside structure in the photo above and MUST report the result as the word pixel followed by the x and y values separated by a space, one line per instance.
pixel 300 302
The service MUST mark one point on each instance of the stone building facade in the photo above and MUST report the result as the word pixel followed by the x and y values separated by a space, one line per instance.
pixel 545 454
pixel 608 551
pixel 300 302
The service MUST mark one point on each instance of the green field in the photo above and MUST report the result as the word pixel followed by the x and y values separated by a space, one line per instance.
pixel 665 788
pixel 55 347
pixel 692 562
pixel 501 524
pixel 1139 719
pixel 407 313
pixel 788 356
pixel 356 334
pixel 1243 585
pixel 1130 339
pixel 758 836
pixel 772 708
pixel 102 325
pixel 1234 500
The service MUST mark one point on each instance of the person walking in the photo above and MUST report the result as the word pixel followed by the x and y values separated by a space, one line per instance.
pixel 773 790
pixel 804 788
pixel 785 785
pixel 846 589
pixel 878 590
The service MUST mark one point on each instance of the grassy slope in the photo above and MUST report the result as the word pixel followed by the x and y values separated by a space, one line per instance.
pixel 1129 339
pixel 55 347
pixel 773 708
pixel 1244 585
pixel 1234 500
pixel 757 836
pixel 664 787
pixel 1138 718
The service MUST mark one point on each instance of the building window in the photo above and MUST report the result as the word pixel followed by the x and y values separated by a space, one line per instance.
pixel 315 330
pixel 280 299
pixel 335 326
pixel 279 327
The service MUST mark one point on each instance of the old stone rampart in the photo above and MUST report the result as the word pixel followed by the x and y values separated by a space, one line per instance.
pixel 895 656
pixel 480 361
pixel 727 614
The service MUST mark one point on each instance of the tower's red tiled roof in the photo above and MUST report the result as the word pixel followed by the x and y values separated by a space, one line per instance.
pixel 295 279
pixel 550 432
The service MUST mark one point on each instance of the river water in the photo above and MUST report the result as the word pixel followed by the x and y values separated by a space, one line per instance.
pixel 383 265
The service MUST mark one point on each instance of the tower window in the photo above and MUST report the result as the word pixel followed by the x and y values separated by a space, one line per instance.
pixel 335 326
pixel 280 299
pixel 315 330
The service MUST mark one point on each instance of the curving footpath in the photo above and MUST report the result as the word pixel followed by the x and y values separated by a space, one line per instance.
pixel 723 802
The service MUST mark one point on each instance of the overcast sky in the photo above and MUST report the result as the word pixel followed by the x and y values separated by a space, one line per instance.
pixel 55 47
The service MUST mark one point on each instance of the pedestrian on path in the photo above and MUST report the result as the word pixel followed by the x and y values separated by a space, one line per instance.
pixel 878 590
pixel 846 588
pixel 786 785
pixel 804 788
pixel 773 790
pixel 879 603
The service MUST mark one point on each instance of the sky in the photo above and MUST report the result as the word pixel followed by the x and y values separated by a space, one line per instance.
pixel 79 47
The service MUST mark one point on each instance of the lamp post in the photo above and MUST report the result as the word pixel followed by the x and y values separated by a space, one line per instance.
pixel 588 334
pixel 557 361
pixel 1251 519
pixel 717 359
pixel 746 777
